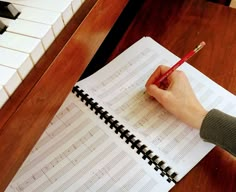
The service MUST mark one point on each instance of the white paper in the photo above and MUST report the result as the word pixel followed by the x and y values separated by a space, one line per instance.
pixel 78 152
pixel 120 88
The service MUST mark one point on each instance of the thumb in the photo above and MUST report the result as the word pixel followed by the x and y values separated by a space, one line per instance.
pixel 156 92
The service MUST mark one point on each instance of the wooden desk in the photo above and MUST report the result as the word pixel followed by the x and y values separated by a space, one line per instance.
pixel 180 25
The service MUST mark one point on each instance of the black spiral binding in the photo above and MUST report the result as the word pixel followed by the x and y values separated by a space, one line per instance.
pixel 124 133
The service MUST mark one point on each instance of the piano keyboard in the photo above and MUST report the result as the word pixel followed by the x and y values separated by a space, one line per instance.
pixel 25 38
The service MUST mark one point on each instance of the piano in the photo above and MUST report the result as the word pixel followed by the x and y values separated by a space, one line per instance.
pixel 30 27
pixel 45 46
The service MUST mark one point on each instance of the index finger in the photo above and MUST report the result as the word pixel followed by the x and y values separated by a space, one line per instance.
pixel 161 69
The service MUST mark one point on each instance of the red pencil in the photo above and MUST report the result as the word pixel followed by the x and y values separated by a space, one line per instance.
pixel 180 62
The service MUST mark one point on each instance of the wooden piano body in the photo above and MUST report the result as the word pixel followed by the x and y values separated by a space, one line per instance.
pixel 27 113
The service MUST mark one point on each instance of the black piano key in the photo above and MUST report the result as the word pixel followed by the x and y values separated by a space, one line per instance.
pixel 3 27
pixel 8 10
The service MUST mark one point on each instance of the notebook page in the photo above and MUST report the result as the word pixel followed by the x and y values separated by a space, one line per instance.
pixel 120 88
pixel 78 152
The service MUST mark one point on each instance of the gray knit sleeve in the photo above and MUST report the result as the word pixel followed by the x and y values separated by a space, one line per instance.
pixel 220 129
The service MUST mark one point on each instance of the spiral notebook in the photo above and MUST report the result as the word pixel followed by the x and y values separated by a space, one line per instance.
pixel 109 135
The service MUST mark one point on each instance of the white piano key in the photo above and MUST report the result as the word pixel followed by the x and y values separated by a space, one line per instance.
pixel 76 5
pixel 24 44
pixel 16 60
pixel 31 29
pixel 3 96
pixel 53 19
pixel 61 6
pixel 9 79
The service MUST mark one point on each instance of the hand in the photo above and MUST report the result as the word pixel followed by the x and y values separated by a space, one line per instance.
pixel 177 97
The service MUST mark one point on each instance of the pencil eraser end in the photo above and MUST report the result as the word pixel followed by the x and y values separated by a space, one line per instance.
pixel 203 43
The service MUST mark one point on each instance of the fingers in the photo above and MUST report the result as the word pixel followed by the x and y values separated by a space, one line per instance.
pixel 156 92
pixel 156 74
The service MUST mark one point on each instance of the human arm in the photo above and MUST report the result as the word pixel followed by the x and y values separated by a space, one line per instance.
pixel 220 128
pixel 179 99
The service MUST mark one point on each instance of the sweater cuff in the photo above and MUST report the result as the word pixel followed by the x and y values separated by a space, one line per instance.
pixel 219 128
